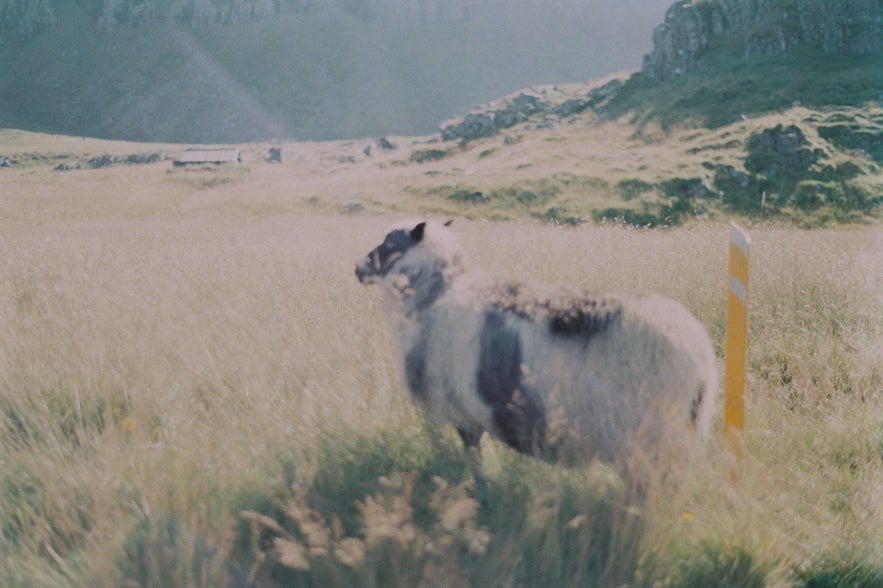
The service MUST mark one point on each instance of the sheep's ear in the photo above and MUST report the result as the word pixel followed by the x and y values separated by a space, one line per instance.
pixel 417 232
pixel 449 223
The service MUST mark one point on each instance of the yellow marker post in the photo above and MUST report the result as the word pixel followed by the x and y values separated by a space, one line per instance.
pixel 737 337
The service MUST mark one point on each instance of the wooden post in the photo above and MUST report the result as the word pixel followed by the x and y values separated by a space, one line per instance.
pixel 737 337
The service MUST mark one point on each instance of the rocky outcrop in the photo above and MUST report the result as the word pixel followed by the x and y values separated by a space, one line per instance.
pixel 785 171
pixel 779 152
pixel 546 105
pixel 762 27
pixel 854 133
pixel 503 114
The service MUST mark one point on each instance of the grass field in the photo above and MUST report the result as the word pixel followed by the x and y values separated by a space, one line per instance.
pixel 196 391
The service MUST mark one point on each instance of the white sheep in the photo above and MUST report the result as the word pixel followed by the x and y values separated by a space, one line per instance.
pixel 552 373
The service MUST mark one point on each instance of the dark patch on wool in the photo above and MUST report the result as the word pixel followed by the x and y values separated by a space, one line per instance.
pixel 397 243
pixel 565 313
pixel 697 402
pixel 518 419
pixel 415 365
pixel 428 284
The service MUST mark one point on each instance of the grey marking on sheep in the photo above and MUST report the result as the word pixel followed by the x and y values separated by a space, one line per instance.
pixel 518 416
pixel 415 365
pixel 558 374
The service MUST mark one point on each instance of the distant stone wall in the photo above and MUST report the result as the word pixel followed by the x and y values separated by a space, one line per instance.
pixel 765 26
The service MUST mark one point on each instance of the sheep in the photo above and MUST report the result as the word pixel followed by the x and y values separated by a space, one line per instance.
pixel 553 373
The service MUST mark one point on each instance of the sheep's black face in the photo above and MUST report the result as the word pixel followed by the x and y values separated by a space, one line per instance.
pixel 380 261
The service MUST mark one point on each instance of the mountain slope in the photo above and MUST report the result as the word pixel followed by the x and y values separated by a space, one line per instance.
pixel 794 134
pixel 716 61
pixel 726 87
pixel 320 74
pixel 692 29
pixel 811 69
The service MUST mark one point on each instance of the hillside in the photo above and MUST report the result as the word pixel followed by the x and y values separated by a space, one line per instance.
pixel 812 71
pixel 694 29
pixel 802 166
pixel 201 71
pixel 716 61
pixel 332 69
pixel 794 134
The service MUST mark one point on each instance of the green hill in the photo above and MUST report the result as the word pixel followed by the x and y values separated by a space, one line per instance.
pixel 726 87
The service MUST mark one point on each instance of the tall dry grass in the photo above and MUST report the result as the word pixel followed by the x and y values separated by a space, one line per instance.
pixel 162 373
pixel 160 365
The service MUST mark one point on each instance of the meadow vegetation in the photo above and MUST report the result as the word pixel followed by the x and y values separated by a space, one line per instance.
pixel 195 390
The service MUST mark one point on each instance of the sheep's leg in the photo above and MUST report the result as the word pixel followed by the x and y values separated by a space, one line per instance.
pixel 472 455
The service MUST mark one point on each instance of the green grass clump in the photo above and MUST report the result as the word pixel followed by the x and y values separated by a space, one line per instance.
pixel 845 572
pixel 352 465
pixel 717 566
pixel 163 551
pixel 628 216
pixel 394 508
pixel 632 188
pixel 426 155
pixel 560 198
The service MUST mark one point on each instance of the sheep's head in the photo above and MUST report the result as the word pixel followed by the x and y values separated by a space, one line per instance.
pixel 378 264
pixel 416 263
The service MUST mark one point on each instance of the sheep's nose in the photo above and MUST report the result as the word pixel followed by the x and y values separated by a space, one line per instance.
pixel 364 271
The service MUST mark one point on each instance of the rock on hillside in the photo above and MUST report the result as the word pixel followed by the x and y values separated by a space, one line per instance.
pixel 543 105
pixel 765 27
